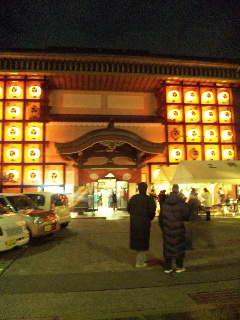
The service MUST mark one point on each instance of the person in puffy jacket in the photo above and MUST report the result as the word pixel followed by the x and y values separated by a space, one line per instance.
pixel 142 210
pixel 174 212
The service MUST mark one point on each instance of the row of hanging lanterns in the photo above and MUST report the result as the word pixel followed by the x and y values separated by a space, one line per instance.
pixel 14 153
pixel 194 133
pixel 192 114
pixel 33 131
pixel 211 153
pixel 16 91
pixel 34 175
pixel 192 96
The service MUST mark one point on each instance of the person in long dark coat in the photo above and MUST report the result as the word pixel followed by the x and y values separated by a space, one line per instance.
pixel 174 212
pixel 142 210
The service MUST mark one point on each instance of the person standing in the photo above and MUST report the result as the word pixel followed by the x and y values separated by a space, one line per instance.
pixel 141 208
pixel 114 200
pixel 174 211
pixel 191 226
pixel 207 203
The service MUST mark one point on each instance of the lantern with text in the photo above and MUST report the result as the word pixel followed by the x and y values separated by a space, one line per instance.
pixel 14 111
pixel 13 132
pixel 13 153
pixel 15 91
pixel 173 95
pixel 211 153
pixel 192 114
pixel 191 96
pixel 174 114
pixel 207 97
pixel 210 134
pixel 193 134
pixel 225 115
pixel 228 154
pixel 33 175
pixel 176 153
pixel 193 153
pixel 223 97
pixel 209 115
pixel 227 135
pixel 35 91
pixel 12 175
pixel 175 134
pixel 33 153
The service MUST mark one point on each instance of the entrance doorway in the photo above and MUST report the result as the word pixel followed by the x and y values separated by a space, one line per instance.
pixel 100 193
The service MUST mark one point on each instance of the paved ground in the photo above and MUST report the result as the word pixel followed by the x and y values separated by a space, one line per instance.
pixel 86 271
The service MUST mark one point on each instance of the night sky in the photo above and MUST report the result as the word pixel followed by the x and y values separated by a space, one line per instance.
pixel 200 28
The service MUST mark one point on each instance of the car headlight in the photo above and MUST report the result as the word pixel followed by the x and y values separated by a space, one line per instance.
pixel 38 219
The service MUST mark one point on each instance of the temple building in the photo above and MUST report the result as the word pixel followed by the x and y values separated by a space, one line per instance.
pixel 95 120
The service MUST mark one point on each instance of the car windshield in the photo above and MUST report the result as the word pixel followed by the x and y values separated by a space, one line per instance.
pixel 21 202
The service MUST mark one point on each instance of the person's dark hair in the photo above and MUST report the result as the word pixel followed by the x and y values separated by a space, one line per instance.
pixel 205 189
pixel 175 188
pixel 142 187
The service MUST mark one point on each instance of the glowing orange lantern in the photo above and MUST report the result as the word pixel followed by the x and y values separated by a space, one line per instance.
pixel 33 175
pixel 34 131
pixel 15 90
pixel 13 153
pixel 12 174
pixel 173 95
pixel 225 115
pixel 210 134
pixel 176 153
pixel 207 96
pixel 228 153
pixel 193 134
pixel 174 114
pixel 33 153
pixel 53 175
pixel 14 111
pixel 191 96
pixel 192 114
pixel 193 153
pixel 13 131
pixel 223 97
pixel 227 134
pixel 211 153
pixel 175 133
pixel 35 91
pixel 209 114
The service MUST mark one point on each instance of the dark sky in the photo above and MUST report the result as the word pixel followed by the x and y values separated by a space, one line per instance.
pixel 203 28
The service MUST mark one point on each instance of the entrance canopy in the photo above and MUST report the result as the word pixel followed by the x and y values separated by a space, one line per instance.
pixel 165 174
pixel 216 171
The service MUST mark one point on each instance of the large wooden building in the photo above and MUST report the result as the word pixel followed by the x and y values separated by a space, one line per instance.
pixel 101 119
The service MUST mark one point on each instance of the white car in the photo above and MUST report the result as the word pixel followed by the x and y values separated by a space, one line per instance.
pixel 55 202
pixel 39 222
pixel 13 230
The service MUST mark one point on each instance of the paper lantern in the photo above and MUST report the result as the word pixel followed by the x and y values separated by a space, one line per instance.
pixel 209 114
pixel 193 153
pixel 174 114
pixel 13 153
pixel 207 96
pixel 175 134
pixel 12 174
pixel 34 131
pixel 33 153
pixel 193 133
pixel 33 175
pixel 15 90
pixel 210 134
pixel 173 95
pixel 53 175
pixel 223 97
pixel 191 96
pixel 192 114
pixel 225 115
pixel 211 153
pixel 35 91
pixel 14 111
pixel 228 153
pixel 227 134
pixel 13 131
pixel 176 153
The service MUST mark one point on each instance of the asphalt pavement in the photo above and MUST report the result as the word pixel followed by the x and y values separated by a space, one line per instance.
pixel 87 271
